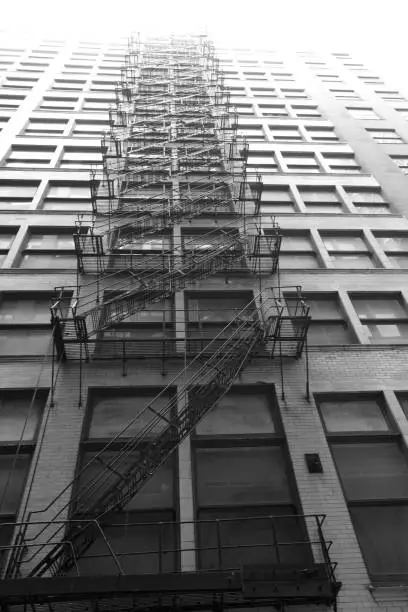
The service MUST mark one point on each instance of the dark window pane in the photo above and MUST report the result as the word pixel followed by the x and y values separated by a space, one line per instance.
pixel 241 476
pixel 329 333
pixel 6 534
pixel 252 541
pixel 372 470
pixel 357 414
pixel 323 308
pixel 111 414
pixel 52 260
pixel 25 341
pixel 98 478
pixel 403 400
pixel 238 413
pixel 19 416
pixel 24 309
pixel 381 533
pixel 136 544
pixel 13 473
pixel 217 308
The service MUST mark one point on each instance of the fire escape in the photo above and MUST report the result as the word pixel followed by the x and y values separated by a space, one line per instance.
pixel 171 154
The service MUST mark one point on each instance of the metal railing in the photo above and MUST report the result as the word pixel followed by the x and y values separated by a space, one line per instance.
pixel 156 431
pixel 132 547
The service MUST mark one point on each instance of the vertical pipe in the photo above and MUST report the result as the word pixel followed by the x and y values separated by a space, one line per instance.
pixel 219 546
pixel 307 369
pixel 275 540
pixel 160 548
pixel 53 365
pixel 80 375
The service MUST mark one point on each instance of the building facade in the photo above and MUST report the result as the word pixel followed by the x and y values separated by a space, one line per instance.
pixel 220 240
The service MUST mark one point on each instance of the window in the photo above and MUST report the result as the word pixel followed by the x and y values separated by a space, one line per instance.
pixel 60 103
pixel 157 243
pixel 321 200
pixel 385 136
pixel 24 323
pixel 199 241
pixel 345 94
pixel 301 162
pixel 44 249
pixel 20 417
pixel 37 156
pixel 273 110
pixel 328 325
pixel 323 133
pixel 3 121
pixel 360 112
pixel 81 158
pixel 265 163
pixel 149 332
pixel 235 480
pixel 209 313
pixel 68 196
pixel 305 110
pixel 232 417
pixel 403 112
pixel 343 163
pixel 347 250
pixel 33 66
pixel 6 240
pixel 10 100
pixel 24 308
pixel 401 161
pixel 282 77
pixel 68 84
pixel 52 127
pixel 276 200
pixel 285 132
pixel 17 193
pixel 297 251
pixel 103 85
pixel 68 190
pixel 96 104
pixel 264 90
pixel 19 83
pixel 292 92
pixel 109 411
pixel 391 95
pixel 373 470
pixel 385 317
pixel 368 200
pixel 395 246
pixel 370 80
pixel 403 400
pixel 251 131
pixel 244 109
pixel 329 78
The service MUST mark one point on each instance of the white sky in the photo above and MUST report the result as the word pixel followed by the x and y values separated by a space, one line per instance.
pixel 375 31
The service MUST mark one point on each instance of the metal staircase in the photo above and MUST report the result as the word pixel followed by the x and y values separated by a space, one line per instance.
pixel 201 168
pixel 139 280
pixel 179 98
pixel 147 215
pixel 208 379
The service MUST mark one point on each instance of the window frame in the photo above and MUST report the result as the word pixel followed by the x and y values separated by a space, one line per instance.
pixel 370 320
pixel 393 436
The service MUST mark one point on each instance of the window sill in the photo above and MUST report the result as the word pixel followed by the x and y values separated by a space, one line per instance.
pixel 389 593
